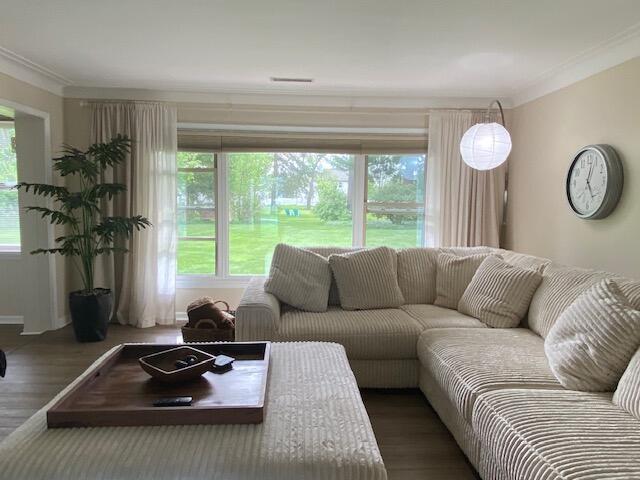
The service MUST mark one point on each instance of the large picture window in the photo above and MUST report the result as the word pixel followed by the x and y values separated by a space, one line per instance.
pixel 235 207
pixel 9 208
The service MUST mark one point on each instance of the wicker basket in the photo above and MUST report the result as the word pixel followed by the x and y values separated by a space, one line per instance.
pixel 191 334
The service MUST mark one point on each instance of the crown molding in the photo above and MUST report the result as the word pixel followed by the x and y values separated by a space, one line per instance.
pixel 616 50
pixel 283 99
pixel 18 67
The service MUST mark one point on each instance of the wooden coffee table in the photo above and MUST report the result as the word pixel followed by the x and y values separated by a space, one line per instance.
pixel 315 426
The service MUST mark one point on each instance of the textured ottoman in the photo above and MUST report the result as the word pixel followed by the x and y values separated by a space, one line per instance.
pixel 315 427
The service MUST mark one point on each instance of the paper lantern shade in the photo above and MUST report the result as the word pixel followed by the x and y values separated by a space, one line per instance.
pixel 485 146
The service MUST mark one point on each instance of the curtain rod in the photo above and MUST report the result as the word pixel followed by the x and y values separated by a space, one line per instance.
pixel 88 103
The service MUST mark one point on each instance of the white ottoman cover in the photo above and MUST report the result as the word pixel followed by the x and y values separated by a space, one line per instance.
pixel 315 427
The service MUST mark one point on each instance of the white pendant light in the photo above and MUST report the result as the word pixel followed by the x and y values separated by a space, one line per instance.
pixel 486 145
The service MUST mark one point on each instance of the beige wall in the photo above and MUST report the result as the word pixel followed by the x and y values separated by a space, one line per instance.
pixel 546 132
pixel 13 293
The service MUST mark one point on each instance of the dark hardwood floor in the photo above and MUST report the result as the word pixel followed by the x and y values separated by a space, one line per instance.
pixel 413 442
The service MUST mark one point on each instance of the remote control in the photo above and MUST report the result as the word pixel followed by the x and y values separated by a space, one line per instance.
pixel 173 402
pixel 222 364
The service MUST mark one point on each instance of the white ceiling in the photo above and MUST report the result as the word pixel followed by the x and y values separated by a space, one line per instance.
pixel 436 48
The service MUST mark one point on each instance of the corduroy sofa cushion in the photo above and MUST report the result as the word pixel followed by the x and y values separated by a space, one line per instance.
pixel 561 285
pixel 417 274
pixel 555 434
pixel 627 394
pixel 454 273
pixel 467 362
pixel 593 341
pixel 499 293
pixel 365 334
pixel 326 252
pixel 367 279
pixel 432 316
pixel 299 278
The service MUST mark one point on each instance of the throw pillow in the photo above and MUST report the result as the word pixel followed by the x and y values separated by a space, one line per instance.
pixel 417 274
pixel 326 252
pixel 593 340
pixel 299 278
pixel 499 293
pixel 453 274
pixel 627 395
pixel 367 279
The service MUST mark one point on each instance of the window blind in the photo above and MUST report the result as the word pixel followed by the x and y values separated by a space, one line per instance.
pixel 330 142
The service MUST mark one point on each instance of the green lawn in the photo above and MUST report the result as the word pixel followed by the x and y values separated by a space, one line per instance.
pixel 250 245
pixel 9 234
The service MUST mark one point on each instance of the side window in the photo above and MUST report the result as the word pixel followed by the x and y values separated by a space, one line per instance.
pixel 9 208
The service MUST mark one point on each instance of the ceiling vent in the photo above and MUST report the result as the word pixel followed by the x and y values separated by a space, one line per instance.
pixel 291 80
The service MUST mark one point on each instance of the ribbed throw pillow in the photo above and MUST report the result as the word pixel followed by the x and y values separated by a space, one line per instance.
pixel 334 296
pixel 627 395
pixel 499 293
pixel 367 279
pixel 417 274
pixel 593 340
pixel 454 273
pixel 299 278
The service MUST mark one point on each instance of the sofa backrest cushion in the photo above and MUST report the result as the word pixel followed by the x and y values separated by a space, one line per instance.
pixel 367 279
pixel 454 273
pixel 465 251
pixel 334 296
pixel 561 285
pixel 417 274
pixel 299 278
pixel 524 261
pixel 627 395
pixel 593 341
pixel 499 293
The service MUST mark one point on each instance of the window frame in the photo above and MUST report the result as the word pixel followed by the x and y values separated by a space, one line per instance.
pixel 216 207
pixel 416 205
pixel 222 277
pixel 12 251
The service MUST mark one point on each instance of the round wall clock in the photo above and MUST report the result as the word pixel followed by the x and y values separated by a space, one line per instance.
pixel 594 182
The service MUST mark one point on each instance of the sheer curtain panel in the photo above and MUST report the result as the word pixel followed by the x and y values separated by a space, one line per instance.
pixel 143 280
pixel 464 206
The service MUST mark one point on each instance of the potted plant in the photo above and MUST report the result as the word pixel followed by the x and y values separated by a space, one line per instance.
pixel 89 232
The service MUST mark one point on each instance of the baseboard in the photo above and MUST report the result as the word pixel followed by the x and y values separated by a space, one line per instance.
pixel 12 320
pixel 62 322
pixel 181 317
pixel 32 333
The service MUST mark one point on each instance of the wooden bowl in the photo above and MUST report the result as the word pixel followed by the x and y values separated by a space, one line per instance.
pixel 161 365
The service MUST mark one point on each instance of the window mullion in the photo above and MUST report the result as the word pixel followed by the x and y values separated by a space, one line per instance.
pixel 358 200
pixel 222 216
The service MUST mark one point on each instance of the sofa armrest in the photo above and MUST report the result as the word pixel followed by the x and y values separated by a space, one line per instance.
pixel 258 314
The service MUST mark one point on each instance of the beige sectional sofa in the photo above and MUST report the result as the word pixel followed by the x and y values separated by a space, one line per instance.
pixel 493 388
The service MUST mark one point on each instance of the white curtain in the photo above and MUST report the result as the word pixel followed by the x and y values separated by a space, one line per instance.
pixel 464 206
pixel 143 280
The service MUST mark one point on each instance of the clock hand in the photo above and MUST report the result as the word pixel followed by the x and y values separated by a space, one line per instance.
pixel 590 173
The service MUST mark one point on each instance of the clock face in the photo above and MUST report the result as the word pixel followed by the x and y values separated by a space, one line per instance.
pixel 594 182
pixel 588 182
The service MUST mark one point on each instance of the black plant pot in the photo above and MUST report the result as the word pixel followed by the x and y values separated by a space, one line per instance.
pixel 90 314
